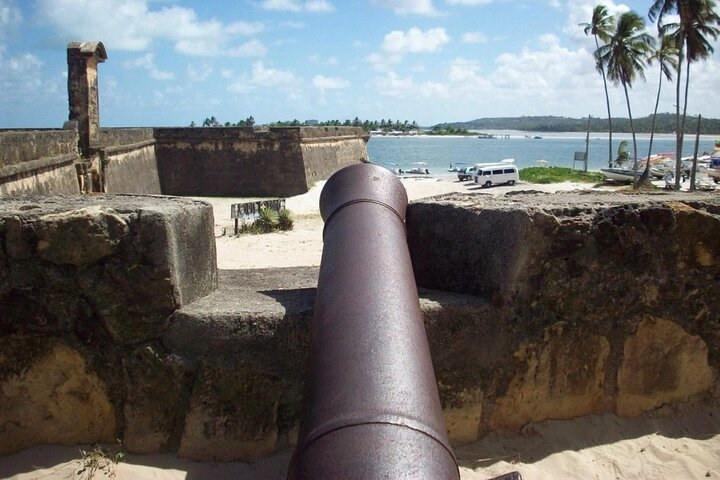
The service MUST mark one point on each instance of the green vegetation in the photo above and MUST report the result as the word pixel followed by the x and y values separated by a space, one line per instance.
pixel 285 220
pixel 269 221
pixel 559 174
pixel 437 130
pixel 367 125
pixel 665 123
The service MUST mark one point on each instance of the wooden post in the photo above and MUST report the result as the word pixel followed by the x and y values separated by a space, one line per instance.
pixel 587 142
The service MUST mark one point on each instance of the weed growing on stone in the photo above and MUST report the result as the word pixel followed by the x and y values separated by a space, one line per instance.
pixel 98 461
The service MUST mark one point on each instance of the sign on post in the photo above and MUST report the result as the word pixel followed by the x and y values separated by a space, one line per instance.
pixel 250 211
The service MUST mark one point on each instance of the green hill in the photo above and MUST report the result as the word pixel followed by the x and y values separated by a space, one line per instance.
pixel 665 123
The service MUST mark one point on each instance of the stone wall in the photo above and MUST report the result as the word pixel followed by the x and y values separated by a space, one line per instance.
pixel 323 155
pixel 239 162
pixel 252 162
pixel 38 161
pixel 130 168
pixel 19 146
pixel 536 306
pixel 85 280
pixel 596 303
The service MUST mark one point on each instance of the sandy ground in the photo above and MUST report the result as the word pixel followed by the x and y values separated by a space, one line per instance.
pixel 677 443
pixel 671 443
pixel 303 245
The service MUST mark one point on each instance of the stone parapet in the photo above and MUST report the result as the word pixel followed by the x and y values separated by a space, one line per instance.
pixel 20 146
pixel 536 307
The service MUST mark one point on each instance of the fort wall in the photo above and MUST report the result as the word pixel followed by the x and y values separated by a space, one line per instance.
pixel 39 161
pixel 235 161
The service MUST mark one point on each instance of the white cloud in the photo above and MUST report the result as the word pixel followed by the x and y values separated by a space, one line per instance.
pixel 383 63
pixel 133 25
pixel 549 39
pixel 403 7
pixel 330 83
pixel 22 77
pixel 252 48
pixel 318 60
pixel 147 62
pixel 474 37
pixel 471 3
pixel 199 74
pixel 9 14
pixel 462 71
pixel 245 28
pixel 263 77
pixel 415 41
pixel 297 5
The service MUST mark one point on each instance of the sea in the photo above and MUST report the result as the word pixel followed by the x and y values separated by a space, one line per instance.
pixel 438 153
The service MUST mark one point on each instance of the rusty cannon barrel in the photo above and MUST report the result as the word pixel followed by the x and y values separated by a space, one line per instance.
pixel 371 407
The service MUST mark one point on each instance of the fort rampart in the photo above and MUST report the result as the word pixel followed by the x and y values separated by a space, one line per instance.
pixel 536 307
pixel 220 161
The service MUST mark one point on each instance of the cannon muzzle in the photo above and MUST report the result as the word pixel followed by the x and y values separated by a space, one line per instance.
pixel 371 408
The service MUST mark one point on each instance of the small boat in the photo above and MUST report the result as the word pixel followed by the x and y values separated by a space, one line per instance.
pixel 537 137
pixel 625 175
pixel 457 167
pixel 418 171
pixel 713 170
pixel 486 136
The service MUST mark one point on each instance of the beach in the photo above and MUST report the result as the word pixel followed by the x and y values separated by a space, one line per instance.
pixel 670 442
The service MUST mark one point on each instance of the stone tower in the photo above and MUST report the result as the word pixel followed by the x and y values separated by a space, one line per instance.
pixel 83 59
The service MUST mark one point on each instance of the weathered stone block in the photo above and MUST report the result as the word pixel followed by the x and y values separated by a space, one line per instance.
pixel 158 389
pixel 233 414
pixel 125 261
pixel 662 364
pixel 561 376
pixel 53 398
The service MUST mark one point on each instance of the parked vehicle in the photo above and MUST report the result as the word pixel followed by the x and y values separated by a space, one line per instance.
pixel 496 174
pixel 466 173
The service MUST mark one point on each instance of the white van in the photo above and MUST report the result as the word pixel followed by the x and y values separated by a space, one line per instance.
pixel 496 174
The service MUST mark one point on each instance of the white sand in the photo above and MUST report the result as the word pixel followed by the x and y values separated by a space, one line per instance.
pixel 672 443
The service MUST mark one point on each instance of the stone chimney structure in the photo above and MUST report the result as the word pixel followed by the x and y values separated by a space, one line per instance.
pixel 83 59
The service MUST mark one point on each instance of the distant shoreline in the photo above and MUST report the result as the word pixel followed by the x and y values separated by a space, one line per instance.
pixel 515 134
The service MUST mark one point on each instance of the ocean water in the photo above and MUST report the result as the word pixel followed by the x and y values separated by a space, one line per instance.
pixel 558 149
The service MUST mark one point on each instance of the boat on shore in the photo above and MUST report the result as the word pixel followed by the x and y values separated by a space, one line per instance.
pixel 624 175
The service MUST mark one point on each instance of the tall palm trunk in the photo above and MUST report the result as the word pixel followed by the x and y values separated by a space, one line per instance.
pixel 680 127
pixel 632 129
pixel 646 172
pixel 685 102
pixel 607 102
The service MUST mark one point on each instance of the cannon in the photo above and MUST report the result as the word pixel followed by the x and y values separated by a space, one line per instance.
pixel 371 405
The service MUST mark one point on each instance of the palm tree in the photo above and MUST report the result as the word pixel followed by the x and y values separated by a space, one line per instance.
pixel 691 33
pixel 666 56
pixel 601 26
pixel 625 57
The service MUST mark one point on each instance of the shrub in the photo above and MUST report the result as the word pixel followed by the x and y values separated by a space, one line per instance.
pixel 285 220
pixel 267 220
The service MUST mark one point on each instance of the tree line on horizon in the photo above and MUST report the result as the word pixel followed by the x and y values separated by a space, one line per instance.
pixel 367 125
pixel 664 123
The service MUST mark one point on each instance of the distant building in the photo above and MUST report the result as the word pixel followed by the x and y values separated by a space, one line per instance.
pixel 312 123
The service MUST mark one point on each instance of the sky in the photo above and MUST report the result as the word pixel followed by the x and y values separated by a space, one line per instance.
pixel 171 62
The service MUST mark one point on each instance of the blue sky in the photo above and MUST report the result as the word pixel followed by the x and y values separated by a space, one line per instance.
pixel 174 61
